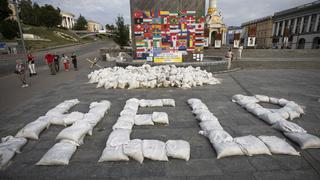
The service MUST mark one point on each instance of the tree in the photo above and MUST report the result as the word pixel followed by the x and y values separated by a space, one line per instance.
pixel 5 11
pixel 81 24
pixel 50 17
pixel 9 29
pixel 121 32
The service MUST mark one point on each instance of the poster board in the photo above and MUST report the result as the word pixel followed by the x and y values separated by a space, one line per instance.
pixel 251 41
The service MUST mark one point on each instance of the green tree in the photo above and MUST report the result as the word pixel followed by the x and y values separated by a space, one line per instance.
pixel 27 13
pixel 4 10
pixel 50 17
pixel 121 32
pixel 9 29
pixel 81 23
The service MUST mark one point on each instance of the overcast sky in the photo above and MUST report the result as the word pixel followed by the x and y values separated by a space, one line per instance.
pixel 235 12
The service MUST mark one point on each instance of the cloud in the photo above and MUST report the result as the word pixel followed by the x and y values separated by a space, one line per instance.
pixel 235 12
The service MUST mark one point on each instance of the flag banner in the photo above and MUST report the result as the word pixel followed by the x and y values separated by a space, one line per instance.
pixel 159 31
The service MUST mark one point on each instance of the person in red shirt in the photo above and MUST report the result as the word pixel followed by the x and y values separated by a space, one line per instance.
pixel 31 65
pixel 50 61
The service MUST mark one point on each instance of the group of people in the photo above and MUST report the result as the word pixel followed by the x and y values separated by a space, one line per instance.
pixel 53 61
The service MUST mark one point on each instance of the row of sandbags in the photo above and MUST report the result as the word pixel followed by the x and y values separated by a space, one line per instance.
pixel 119 147
pixel 225 145
pixel 151 77
pixel 11 145
pixel 277 117
pixel 74 135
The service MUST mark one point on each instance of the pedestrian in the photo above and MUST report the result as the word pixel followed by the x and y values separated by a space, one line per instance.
pixel 74 61
pixel 20 71
pixel 229 57
pixel 56 62
pixel 240 52
pixel 50 61
pixel 65 61
pixel 31 65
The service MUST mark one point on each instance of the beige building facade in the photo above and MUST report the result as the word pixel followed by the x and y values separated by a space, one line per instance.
pixel 93 26
pixel 258 33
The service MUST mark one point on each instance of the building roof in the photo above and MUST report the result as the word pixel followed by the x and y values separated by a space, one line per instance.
pixel 315 4
pixel 93 22
pixel 67 13
pixel 257 21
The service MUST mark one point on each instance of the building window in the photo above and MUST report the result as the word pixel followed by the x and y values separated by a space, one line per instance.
pixel 313 22
pixel 316 43
pixel 301 43
pixel 305 24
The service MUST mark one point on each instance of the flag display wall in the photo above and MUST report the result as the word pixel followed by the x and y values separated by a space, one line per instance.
pixel 160 31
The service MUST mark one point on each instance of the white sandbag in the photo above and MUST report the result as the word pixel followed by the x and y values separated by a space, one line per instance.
pixel 283 102
pixel 237 97
pixel 193 101
pixel 178 149
pixel 122 125
pixel 286 126
pixel 227 149
pixel 206 116
pixel 154 150
pixel 57 119
pixel 128 112
pixel 260 111
pixel 293 114
pixel 282 112
pixel 278 146
pixel 33 129
pixel 200 111
pixel 217 136
pixel 134 150
pixel 127 119
pixel 295 107
pixel 247 100
pixel 76 132
pixel 114 153
pixel 262 98
pixel 160 117
pixel 156 103
pixel 197 106
pixel 91 118
pixel 274 100
pixel 168 102
pixel 144 103
pixel 143 120
pixel 5 156
pixel 73 117
pixel 118 137
pixel 271 118
pixel 251 145
pixel 13 143
pixel 210 125
pixel 132 106
pixel 59 154
pixel 305 140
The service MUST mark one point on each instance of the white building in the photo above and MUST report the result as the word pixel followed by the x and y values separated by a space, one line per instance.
pixel 68 20
pixel 298 28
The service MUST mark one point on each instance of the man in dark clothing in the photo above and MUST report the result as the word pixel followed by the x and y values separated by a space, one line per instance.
pixel 74 61
pixel 50 61
pixel 56 62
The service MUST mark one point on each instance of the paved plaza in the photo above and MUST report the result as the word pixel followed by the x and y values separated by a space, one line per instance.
pixel 301 86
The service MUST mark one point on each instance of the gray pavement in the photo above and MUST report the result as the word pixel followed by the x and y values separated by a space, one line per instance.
pixel 301 86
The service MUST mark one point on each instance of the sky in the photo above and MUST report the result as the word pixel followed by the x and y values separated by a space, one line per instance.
pixel 234 12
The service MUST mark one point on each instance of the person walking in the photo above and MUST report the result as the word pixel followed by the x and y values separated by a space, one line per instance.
pixel 229 57
pixel 31 65
pixel 65 61
pixel 240 52
pixel 56 62
pixel 20 71
pixel 74 61
pixel 50 61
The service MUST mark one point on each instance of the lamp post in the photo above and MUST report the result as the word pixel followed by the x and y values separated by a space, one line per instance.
pixel 21 33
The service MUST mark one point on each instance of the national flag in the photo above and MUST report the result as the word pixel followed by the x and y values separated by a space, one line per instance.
pixel 174 26
pixel 199 43
pixel 174 20
pixel 147 20
pixel 191 12
pixel 201 20
pixel 141 49
pixel 166 20
pixel 148 35
pixel 156 21
pixel 138 28
pixel 138 20
pixel 164 13
pixel 191 19
pixel 200 26
pixel 138 14
pixel 173 14
pixel 147 14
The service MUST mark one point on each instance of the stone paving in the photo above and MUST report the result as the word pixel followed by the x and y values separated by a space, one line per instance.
pixel 301 86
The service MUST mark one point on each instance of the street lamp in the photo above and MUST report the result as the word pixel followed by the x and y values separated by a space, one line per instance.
pixel 21 33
